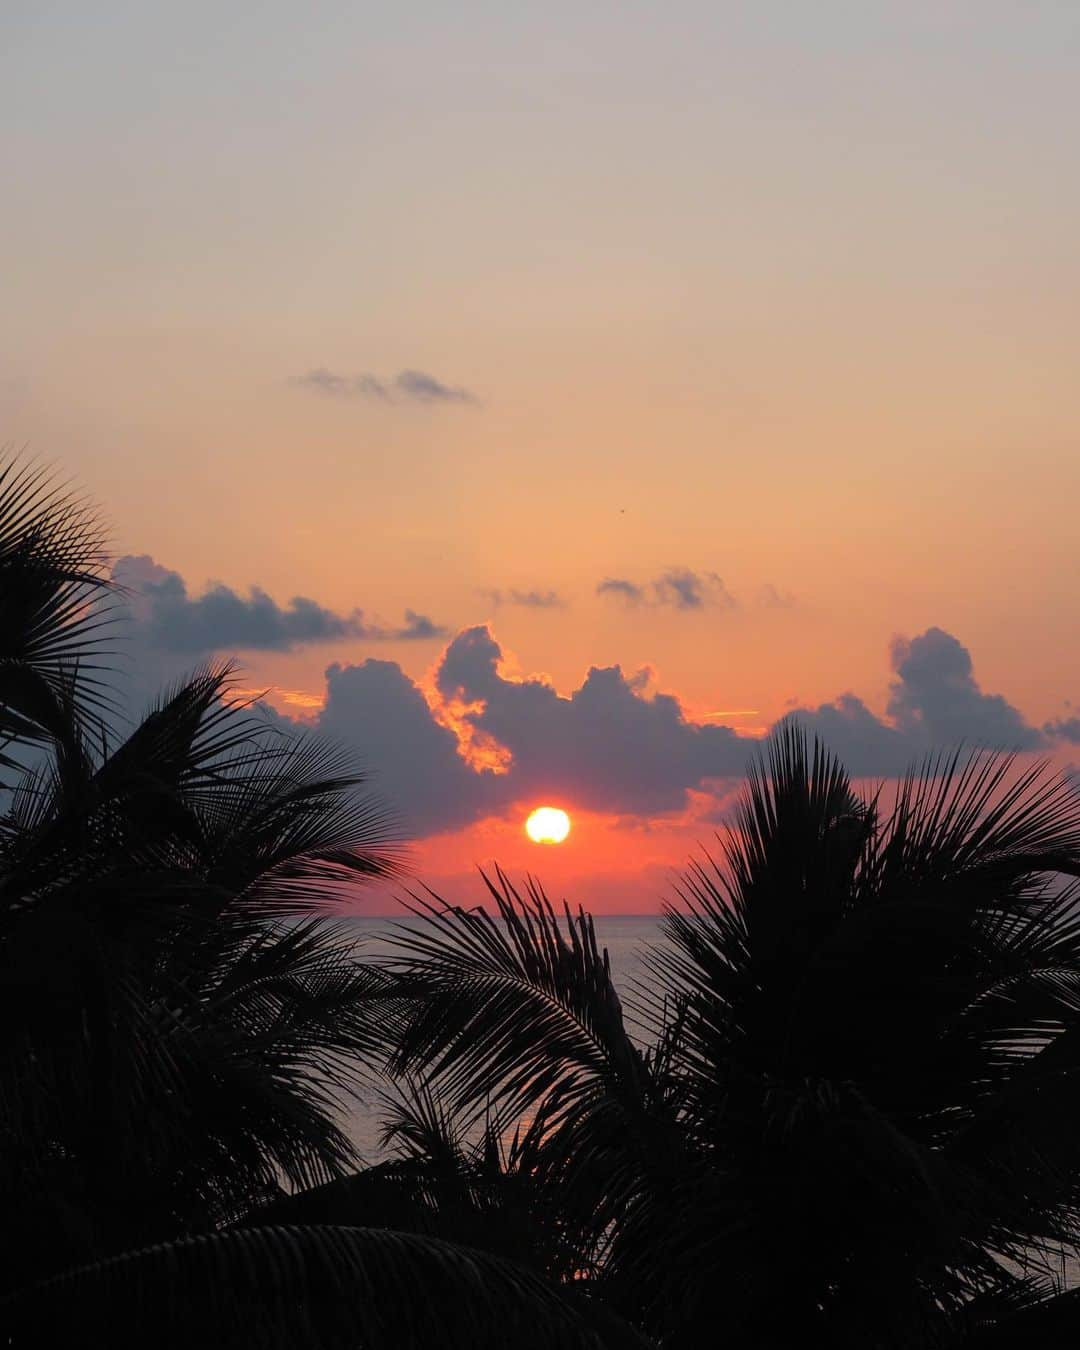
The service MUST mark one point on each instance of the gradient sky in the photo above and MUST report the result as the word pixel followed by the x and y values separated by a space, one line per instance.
pixel 774 306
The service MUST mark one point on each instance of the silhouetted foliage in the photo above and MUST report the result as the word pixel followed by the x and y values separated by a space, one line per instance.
pixel 54 605
pixel 857 1117
pixel 179 1025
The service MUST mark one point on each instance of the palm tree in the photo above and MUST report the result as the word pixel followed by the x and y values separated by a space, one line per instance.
pixel 54 604
pixel 179 1023
pixel 857 1117
pixel 481 1188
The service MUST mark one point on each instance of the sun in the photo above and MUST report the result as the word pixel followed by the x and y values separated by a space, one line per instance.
pixel 548 825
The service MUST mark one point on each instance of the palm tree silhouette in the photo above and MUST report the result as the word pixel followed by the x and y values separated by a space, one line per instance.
pixel 178 1021
pixel 857 1114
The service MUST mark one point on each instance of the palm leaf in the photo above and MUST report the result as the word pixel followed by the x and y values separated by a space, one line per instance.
pixel 311 1286
pixel 509 1009
pixel 54 611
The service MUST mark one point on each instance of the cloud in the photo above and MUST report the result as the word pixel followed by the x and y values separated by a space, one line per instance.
pixel 935 703
pixel 168 619
pixel 622 590
pixel 1065 729
pixel 479 742
pixel 867 746
pixel 332 385
pixel 407 386
pixel 527 599
pixel 379 711
pixel 418 628
pixel 614 747
pixel 423 388
pixel 687 590
pixel 936 697
pixel 608 745
pixel 678 587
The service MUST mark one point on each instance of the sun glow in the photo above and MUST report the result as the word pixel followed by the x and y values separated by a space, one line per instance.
pixel 547 825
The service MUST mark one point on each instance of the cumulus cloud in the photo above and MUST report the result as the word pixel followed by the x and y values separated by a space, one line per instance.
pixel 168 619
pixel 935 703
pixel 609 745
pixel 614 747
pixel 480 742
pixel 678 587
pixel 526 599
pixel 936 696
pixel 407 386
pixel 378 710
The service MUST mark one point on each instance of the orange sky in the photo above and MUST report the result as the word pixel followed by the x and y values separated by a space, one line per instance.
pixel 784 293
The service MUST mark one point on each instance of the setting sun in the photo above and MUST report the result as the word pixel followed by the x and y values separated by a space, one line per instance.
pixel 548 825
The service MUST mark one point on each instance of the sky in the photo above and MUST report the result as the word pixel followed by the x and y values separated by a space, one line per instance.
pixel 544 400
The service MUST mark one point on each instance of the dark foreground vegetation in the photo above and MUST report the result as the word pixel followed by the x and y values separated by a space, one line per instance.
pixel 856 1121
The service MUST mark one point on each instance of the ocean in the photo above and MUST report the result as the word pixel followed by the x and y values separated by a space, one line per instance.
pixel 624 935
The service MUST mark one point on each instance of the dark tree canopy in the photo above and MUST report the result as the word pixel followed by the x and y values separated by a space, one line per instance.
pixel 180 1024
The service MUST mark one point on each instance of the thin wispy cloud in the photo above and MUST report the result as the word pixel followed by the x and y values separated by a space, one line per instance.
pixel 169 619
pixel 621 589
pixel 407 386
pixel 677 588
pixel 420 387
pixel 526 599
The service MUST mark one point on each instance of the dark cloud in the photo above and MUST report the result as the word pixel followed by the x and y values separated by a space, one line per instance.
pixel 169 619
pixel 376 709
pixel 418 628
pixel 937 698
pixel 678 587
pixel 613 747
pixel 527 599
pixel 866 745
pixel 407 386
pixel 608 745
pixel 332 385
pixel 687 590
pixel 1064 729
pixel 935 703
pixel 424 388
pixel 622 590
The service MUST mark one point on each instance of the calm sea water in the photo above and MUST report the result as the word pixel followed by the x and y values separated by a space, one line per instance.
pixel 624 935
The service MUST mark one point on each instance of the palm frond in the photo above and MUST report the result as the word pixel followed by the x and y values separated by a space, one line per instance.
pixel 54 598
pixel 321 1287
pixel 1027 1314
pixel 509 1009
pixel 293 828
